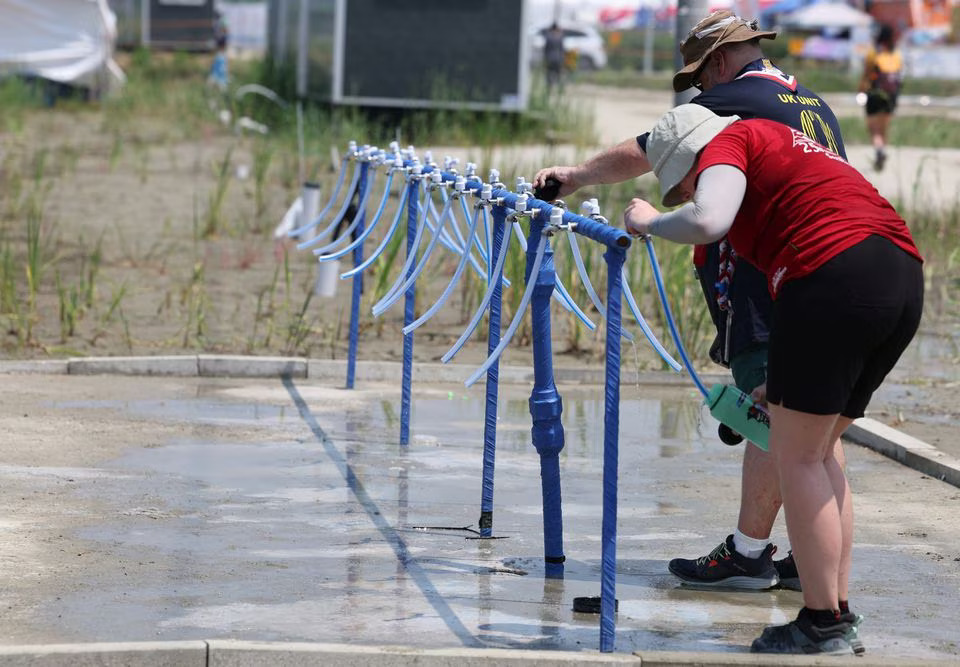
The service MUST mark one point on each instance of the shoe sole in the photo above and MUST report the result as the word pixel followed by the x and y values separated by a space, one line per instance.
pixel 736 583
pixel 790 584
pixel 834 647
pixel 828 647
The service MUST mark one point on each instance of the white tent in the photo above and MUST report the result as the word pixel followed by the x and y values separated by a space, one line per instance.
pixel 66 41
pixel 826 15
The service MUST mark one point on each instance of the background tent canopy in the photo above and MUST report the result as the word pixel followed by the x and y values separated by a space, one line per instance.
pixel 826 15
pixel 67 41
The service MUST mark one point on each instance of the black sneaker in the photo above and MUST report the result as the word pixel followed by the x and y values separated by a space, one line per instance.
pixel 880 160
pixel 725 568
pixel 787 571
pixel 803 637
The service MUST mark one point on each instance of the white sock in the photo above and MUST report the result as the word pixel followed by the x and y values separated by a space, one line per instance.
pixel 751 547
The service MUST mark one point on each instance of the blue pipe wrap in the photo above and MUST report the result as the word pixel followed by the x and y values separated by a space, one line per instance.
pixel 598 231
pixel 493 378
pixel 413 213
pixel 545 402
pixel 362 185
pixel 615 257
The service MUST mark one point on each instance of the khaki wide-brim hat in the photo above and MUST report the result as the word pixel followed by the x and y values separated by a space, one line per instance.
pixel 721 27
pixel 675 141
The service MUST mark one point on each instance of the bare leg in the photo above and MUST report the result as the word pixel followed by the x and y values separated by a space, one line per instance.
pixel 760 499
pixel 803 445
pixel 835 468
pixel 877 125
pixel 759 493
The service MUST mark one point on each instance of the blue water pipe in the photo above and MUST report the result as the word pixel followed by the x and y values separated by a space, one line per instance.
pixel 493 379
pixel 658 279
pixel 560 294
pixel 457 274
pixel 483 252
pixel 326 252
pixel 451 242
pixel 351 151
pixel 413 205
pixel 354 156
pixel 394 224
pixel 357 285
pixel 545 403
pixel 615 257
pixel 411 276
pixel 484 302
pixel 358 221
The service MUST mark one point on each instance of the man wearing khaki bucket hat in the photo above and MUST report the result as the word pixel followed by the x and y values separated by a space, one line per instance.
pixel 847 285
pixel 723 59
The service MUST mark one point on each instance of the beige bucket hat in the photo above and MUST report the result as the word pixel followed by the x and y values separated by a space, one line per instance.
pixel 722 27
pixel 676 139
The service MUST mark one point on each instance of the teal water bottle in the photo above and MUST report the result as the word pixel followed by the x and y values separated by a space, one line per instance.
pixel 734 408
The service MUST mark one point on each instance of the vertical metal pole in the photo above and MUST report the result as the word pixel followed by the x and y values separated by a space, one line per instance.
pixel 689 13
pixel 145 24
pixel 413 212
pixel 303 47
pixel 615 257
pixel 648 36
pixel 545 403
pixel 310 201
pixel 282 47
pixel 362 185
pixel 493 377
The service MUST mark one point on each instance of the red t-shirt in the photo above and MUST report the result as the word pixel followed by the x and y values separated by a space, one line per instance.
pixel 804 204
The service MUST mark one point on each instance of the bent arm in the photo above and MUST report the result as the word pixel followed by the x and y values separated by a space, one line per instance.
pixel 618 163
pixel 708 218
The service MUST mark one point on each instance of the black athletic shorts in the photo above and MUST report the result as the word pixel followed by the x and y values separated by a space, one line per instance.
pixel 838 331
pixel 879 101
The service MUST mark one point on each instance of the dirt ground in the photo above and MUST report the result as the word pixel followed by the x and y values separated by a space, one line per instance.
pixel 122 217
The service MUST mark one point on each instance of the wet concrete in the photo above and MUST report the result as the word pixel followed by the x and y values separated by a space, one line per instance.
pixel 286 511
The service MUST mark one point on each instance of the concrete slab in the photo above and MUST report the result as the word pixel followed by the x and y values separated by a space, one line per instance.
pixel 174 365
pixel 284 511
pixel 254 654
pixel 142 654
pixel 43 366
pixel 245 366
pixel 901 447
pixel 234 653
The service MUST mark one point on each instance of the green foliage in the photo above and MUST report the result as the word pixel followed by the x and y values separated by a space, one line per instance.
pixel 17 97
pixel 922 131
pixel 214 221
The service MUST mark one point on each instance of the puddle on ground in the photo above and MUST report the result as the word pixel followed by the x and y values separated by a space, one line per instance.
pixel 354 539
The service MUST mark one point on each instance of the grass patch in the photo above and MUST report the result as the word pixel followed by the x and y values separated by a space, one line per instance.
pixel 920 131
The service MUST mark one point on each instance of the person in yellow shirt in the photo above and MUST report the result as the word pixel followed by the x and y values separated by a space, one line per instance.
pixel 881 81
